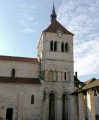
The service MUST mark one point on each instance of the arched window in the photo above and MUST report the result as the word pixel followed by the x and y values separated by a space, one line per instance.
pixel 64 107
pixel 55 46
pixel 32 99
pixel 66 47
pixel 62 47
pixel 51 46
pixel 64 75
pixel 52 106
pixel 13 73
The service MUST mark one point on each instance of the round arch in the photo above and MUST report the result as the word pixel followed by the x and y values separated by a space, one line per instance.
pixel 53 67
pixel 67 67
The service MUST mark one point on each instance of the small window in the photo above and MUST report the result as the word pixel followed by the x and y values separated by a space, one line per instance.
pixel 55 46
pixel 45 35
pixel 66 47
pixel 13 73
pixel 64 75
pixel 51 46
pixel 62 47
pixel 32 99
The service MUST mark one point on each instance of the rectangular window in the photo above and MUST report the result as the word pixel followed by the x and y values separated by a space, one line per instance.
pixel 32 99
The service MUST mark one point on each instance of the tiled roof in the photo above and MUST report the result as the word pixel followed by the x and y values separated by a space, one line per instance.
pixel 54 26
pixel 91 84
pixel 89 81
pixel 16 80
pixel 21 59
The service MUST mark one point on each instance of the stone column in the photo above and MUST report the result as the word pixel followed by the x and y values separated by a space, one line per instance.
pixel 71 107
pixel 59 46
pixel 59 108
pixel 46 110
pixel 90 105
pixel 20 106
pixel 76 107
pixel 81 106
pixel 59 76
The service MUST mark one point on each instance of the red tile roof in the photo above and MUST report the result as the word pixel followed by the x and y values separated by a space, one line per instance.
pixel 16 80
pixel 54 26
pixel 20 59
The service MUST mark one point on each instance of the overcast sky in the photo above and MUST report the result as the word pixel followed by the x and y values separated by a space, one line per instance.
pixel 22 22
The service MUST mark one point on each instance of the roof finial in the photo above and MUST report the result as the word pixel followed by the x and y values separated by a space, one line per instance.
pixel 53 15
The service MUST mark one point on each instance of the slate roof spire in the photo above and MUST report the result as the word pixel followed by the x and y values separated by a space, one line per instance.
pixel 53 15
pixel 53 10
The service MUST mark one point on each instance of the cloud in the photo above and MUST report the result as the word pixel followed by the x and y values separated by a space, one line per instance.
pixel 82 19
pixel 27 19
pixel 30 18
pixel 87 57
pixel 29 30
pixel 23 5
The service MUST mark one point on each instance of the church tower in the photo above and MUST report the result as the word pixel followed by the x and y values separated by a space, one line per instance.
pixel 55 54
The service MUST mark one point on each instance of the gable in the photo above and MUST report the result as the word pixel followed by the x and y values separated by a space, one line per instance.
pixel 55 26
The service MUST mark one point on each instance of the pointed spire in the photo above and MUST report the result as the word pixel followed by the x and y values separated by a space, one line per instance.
pixel 53 15
pixel 53 11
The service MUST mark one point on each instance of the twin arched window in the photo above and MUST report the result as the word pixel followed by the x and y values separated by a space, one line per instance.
pixel 64 47
pixel 53 46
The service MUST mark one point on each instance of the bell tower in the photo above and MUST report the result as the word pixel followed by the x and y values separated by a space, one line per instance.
pixel 55 54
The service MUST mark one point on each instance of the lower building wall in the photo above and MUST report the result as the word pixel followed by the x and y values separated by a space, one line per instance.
pixel 18 98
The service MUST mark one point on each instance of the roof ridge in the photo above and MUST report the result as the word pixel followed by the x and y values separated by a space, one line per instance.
pixel 88 81
pixel 21 59
pixel 16 56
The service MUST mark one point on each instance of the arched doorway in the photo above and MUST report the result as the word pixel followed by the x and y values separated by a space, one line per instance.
pixel 51 106
pixel 9 113
pixel 64 107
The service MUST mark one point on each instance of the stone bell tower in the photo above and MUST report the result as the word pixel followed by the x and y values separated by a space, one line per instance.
pixel 55 53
